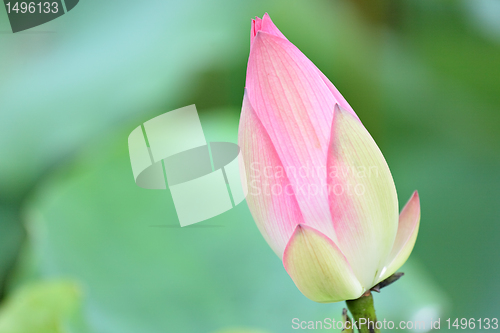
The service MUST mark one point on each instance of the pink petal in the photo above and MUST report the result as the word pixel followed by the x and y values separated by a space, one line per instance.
pixel 275 212
pixel 318 267
pixel 409 221
pixel 363 200
pixel 266 25
pixel 295 107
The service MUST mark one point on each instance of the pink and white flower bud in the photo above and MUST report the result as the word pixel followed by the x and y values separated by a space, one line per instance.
pixel 320 190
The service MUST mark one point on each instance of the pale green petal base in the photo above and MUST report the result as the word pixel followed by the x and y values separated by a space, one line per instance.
pixel 362 197
pixel 318 267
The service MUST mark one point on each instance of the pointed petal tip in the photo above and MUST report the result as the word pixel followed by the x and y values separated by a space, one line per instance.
pixel 300 227
pixel 303 229
pixel 261 35
pixel 415 200
pixel 299 230
pixel 340 110
pixel 264 24
pixel 412 207
pixel 415 196
pixel 336 108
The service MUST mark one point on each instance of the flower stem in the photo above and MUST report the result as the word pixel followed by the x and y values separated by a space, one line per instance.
pixel 363 313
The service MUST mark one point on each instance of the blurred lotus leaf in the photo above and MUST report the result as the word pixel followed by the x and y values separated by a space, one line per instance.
pixel 41 307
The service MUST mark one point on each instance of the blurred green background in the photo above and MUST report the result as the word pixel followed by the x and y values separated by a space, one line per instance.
pixel 83 249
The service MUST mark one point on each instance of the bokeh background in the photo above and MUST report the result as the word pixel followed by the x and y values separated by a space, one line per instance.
pixel 83 249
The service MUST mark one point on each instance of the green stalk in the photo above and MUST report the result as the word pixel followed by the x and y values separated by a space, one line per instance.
pixel 363 313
